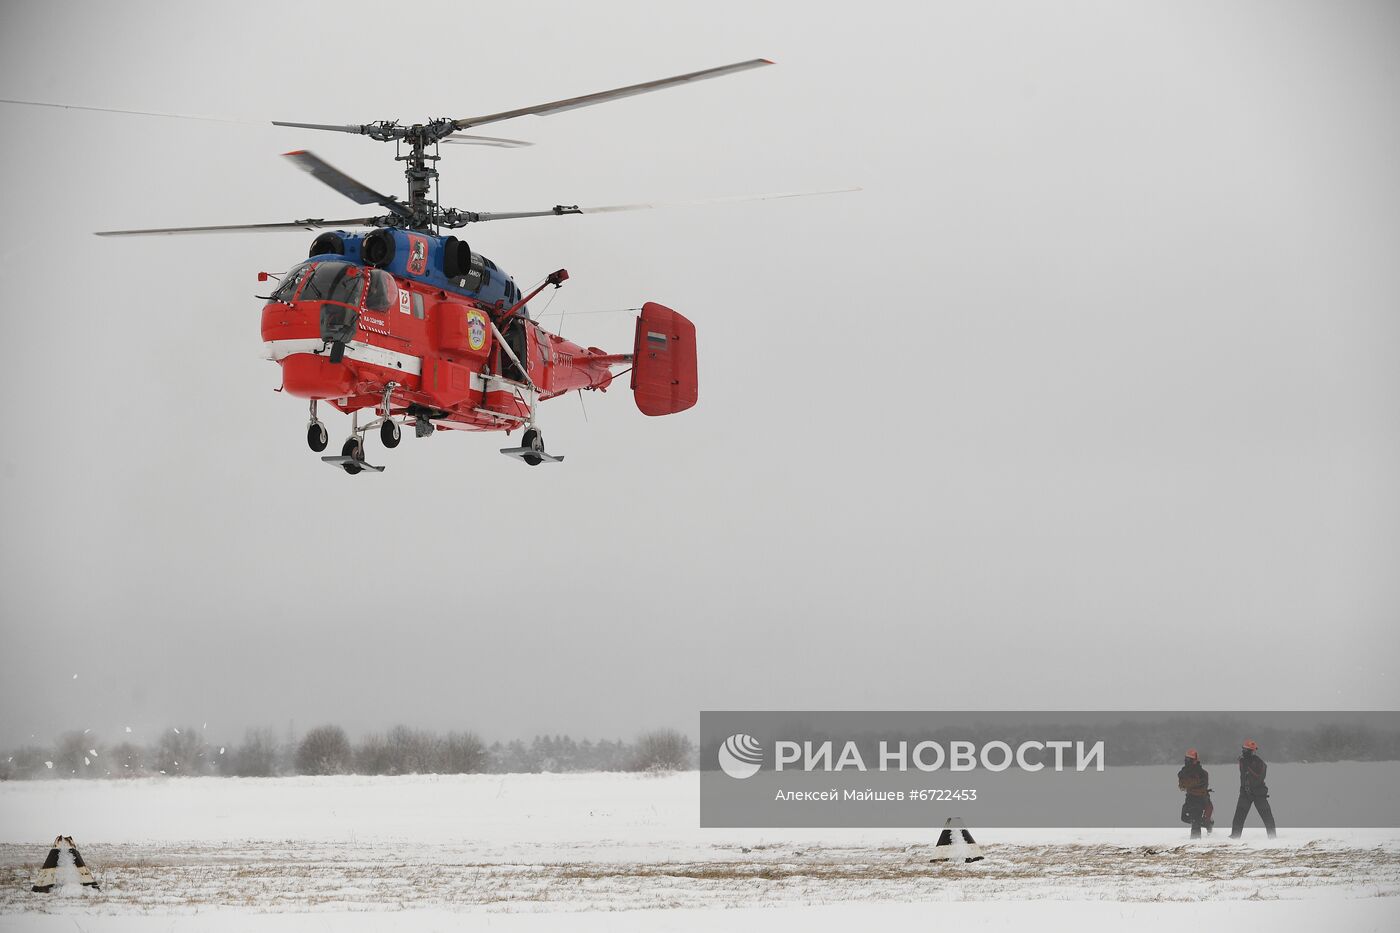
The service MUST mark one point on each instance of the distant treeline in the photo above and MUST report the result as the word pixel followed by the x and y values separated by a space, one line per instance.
pixel 329 750
pixel 404 750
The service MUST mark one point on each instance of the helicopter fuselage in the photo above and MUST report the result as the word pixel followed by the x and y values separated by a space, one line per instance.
pixel 375 322
pixel 458 351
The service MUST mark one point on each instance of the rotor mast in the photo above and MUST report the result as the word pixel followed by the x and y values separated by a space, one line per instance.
pixel 420 170
pixel 420 166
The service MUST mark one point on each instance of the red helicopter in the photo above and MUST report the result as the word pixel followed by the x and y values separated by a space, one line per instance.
pixel 421 329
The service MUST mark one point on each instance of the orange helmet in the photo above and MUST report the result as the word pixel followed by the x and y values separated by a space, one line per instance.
pixel 1252 745
pixel 1191 753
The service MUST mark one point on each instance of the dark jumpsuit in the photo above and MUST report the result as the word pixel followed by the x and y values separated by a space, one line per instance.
pixel 1253 792
pixel 1195 780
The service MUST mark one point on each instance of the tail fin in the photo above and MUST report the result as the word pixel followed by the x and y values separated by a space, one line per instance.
pixel 664 376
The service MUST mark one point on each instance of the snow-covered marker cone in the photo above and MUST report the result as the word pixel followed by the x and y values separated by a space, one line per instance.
pixel 956 845
pixel 64 866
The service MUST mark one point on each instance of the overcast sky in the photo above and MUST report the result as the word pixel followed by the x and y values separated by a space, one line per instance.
pixel 1089 400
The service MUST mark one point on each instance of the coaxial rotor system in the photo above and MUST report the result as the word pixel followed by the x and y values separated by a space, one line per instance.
pixel 417 144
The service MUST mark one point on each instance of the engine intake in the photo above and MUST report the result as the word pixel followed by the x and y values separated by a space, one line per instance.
pixel 378 248
pixel 461 265
pixel 327 244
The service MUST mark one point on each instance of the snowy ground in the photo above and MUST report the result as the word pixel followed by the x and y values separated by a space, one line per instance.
pixel 530 851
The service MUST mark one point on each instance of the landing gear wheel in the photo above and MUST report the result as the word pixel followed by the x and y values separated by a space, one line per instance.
pixel 389 434
pixel 531 449
pixel 316 437
pixel 355 450
pixel 535 441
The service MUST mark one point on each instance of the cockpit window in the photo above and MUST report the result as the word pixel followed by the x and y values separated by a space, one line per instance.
pixel 290 281
pixel 334 281
pixel 383 291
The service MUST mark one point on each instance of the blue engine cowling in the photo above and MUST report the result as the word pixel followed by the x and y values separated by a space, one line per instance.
pixel 438 261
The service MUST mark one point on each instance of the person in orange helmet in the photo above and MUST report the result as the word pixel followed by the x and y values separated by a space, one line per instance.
pixel 1253 791
pixel 1195 780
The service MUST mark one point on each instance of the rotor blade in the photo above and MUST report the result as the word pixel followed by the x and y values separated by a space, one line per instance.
pixel 312 224
pixel 334 128
pixel 556 211
pixel 562 209
pixel 486 141
pixel 697 202
pixel 328 174
pixel 139 113
pixel 631 90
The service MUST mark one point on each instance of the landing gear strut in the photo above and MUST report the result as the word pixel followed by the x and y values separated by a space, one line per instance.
pixel 531 448
pixel 352 453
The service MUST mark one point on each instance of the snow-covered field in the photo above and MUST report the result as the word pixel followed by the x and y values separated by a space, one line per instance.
pixel 621 851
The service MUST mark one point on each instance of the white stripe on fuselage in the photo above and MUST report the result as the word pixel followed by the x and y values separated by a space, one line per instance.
pixel 391 359
pixel 356 350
